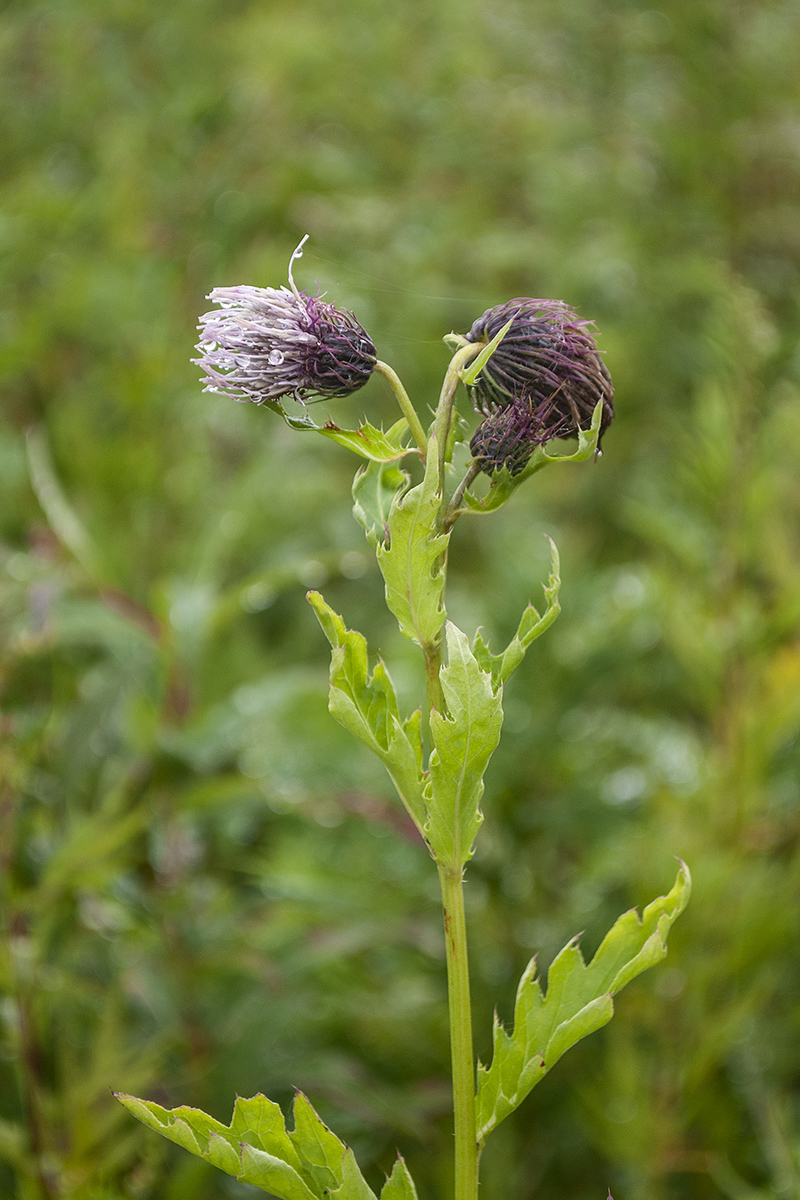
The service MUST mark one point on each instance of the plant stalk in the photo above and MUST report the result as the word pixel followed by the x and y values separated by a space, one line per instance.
pixel 461 1053
pixel 451 878
pixel 473 471
pixel 444 411
pixel 406 407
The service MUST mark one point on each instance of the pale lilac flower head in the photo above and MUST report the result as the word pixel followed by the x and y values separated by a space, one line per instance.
pixel 264 343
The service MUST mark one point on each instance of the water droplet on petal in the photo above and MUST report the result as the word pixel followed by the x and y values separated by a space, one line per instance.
pixel 275 358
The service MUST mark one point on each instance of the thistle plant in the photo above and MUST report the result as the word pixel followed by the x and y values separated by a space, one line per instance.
pixel 532 369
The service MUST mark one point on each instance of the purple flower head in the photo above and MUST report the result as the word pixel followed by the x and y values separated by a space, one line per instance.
pixel 508 436
pixel 264 343
pixel 547 363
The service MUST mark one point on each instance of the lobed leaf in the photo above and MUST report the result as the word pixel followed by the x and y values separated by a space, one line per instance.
pixel 353 1185
pixel 259 1122
pixel 266 1159
pixel 366 705
pixel 463 741
pixel 308 1163
pixel 531 626
pixel 577 1002
pixel 263 1171
pixel 399 1185
pixel 374 488
pixel 411 561
pixel 320 1150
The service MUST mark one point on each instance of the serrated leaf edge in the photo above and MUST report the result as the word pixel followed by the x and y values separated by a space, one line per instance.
pixel 536 1063
pixel 503 665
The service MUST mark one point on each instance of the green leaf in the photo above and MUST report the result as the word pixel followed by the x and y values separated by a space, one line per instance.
pixel 463 742
pixel 265 1159
pixel 310 1163
pixel 320 1149
pixel 259 1122
pixel 411 562
pixel 399 1185
pixel 61 516
pixel 353 1186
pixel 370 442
pixel 366 705
pixel 374 488
pixel 504 484
pixel 300 422
pixel 270 1174
pixel 471 373
pixel 577 1002
pixel 530 628
pixel 367 441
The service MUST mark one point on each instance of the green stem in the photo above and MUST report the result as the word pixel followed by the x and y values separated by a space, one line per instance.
pixel 454 511
pixel 407 408
pixel 463 1062
pixel 450 879
pixel 444 411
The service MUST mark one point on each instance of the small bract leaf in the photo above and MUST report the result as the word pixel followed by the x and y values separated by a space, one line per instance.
pixel 504 484
pixel 306 421
pixel 577 1002
pixel 471 373
pixel 530 628
pixel 411 561
pixel 374 488
pixel 367 441
pixel 399 1185
pixel 366 705
pixel 370 442
pixel 463 742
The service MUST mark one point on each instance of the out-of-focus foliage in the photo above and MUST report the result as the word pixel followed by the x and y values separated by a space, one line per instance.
pixel 205 888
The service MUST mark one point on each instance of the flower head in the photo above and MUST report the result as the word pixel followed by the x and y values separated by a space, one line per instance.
pixel 508 436
pixel 548 362
pixel 264 343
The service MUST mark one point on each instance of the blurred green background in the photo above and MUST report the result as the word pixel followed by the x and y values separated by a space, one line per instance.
pixel 206 889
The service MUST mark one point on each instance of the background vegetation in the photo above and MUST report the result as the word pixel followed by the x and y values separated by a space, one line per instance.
pixel 206 889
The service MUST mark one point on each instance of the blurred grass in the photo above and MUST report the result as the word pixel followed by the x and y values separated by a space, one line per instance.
pixel 206 889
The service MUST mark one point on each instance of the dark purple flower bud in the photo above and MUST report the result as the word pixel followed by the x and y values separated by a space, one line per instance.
pixel 508 436
pixel 264 343
pixel 549 361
